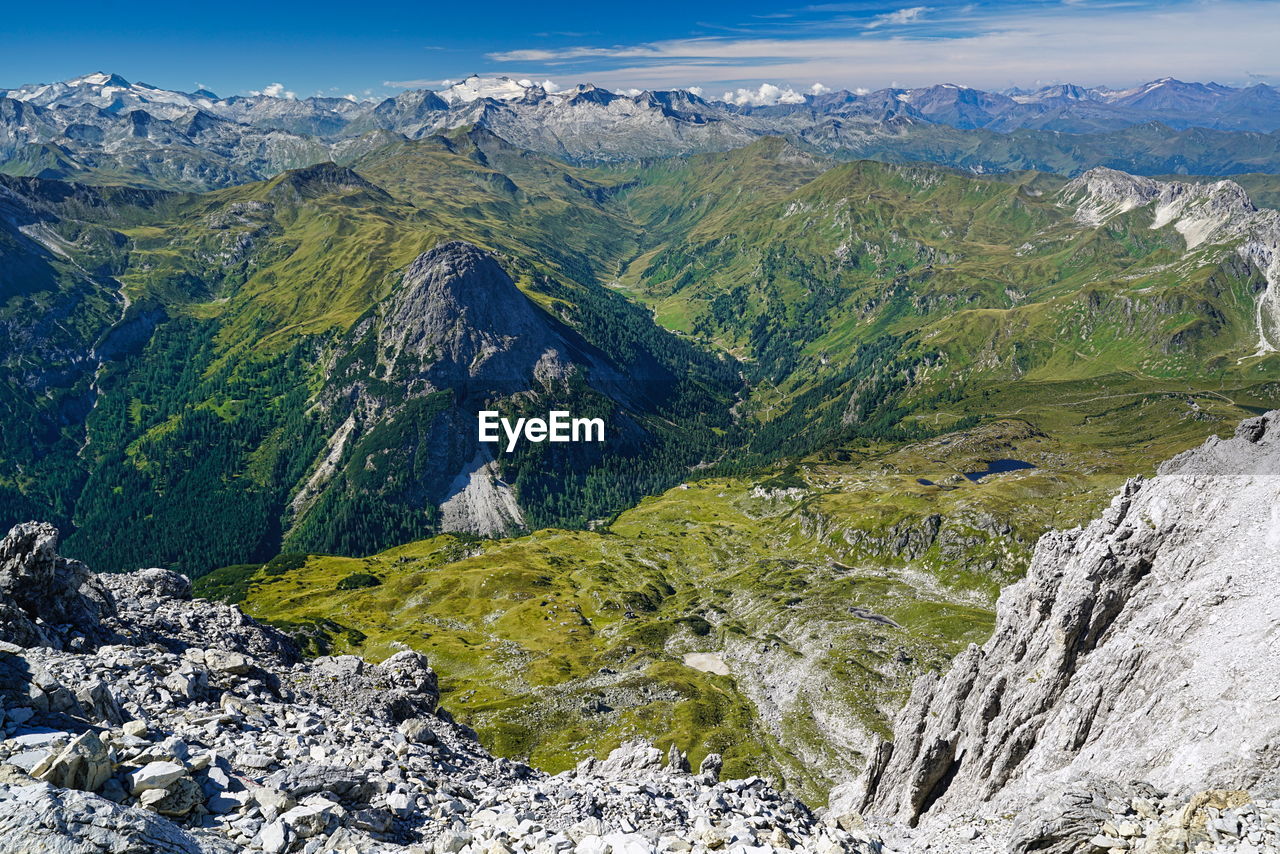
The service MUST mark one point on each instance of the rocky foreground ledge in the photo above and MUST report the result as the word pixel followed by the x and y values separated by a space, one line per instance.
pixel 139 720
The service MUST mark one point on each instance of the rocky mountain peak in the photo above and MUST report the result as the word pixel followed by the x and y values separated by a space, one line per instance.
pixel 100 78
pixel 1061 91
pixel 457 310
pixel 1101 194
pixel 321 179
pixel 456 323
pixel 1203 212
pixel 1216 217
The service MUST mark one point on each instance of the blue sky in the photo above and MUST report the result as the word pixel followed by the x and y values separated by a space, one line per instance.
pixel 312 48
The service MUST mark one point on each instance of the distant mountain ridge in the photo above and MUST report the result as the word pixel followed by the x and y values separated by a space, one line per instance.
pixel 1065 107
pixel 102 128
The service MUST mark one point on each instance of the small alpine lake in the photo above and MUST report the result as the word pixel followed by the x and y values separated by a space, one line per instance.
pixel 998 467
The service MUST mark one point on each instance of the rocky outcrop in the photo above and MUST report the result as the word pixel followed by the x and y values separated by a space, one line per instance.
pixel 401 688
pixel 45 599
pixel 178 725
pixel 154 606
pixel 1140 648
pixel 66 821
pixel 1095 815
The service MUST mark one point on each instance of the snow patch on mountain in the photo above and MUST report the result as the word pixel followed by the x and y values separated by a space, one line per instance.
pixel 498 88
pixel 1211 217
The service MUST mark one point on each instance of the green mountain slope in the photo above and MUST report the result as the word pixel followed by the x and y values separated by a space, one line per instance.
pixel 874 300
pixel 248 298
pixel 220 351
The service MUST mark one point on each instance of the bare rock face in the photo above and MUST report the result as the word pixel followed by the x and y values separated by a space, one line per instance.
pixel 459 317
pixel 67 821
pixel 45 599
pixel 1141 648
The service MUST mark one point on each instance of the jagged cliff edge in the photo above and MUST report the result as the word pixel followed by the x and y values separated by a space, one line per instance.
pixel 1137 659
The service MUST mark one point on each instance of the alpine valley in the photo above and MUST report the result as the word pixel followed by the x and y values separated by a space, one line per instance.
pixel 856 354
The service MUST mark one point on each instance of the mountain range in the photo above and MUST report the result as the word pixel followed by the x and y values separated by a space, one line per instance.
pixel 844 399
pixel 856 354
pixel 1063 107
pixel 101 128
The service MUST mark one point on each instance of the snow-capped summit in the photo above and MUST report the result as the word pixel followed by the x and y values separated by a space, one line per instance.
pixel 112 93
pixel 588 93
pixel 99 78
pixel 93 86
pixel 1168 93
pixel 476 87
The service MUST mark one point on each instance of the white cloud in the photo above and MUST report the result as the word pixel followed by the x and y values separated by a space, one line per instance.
pixel 767 95
pixel 546 85
pixel 557 54
pixel 1111 43
pixel 275 90
pixel 695 90
pixel 350 97
pixel 899 18
pixel 819 89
